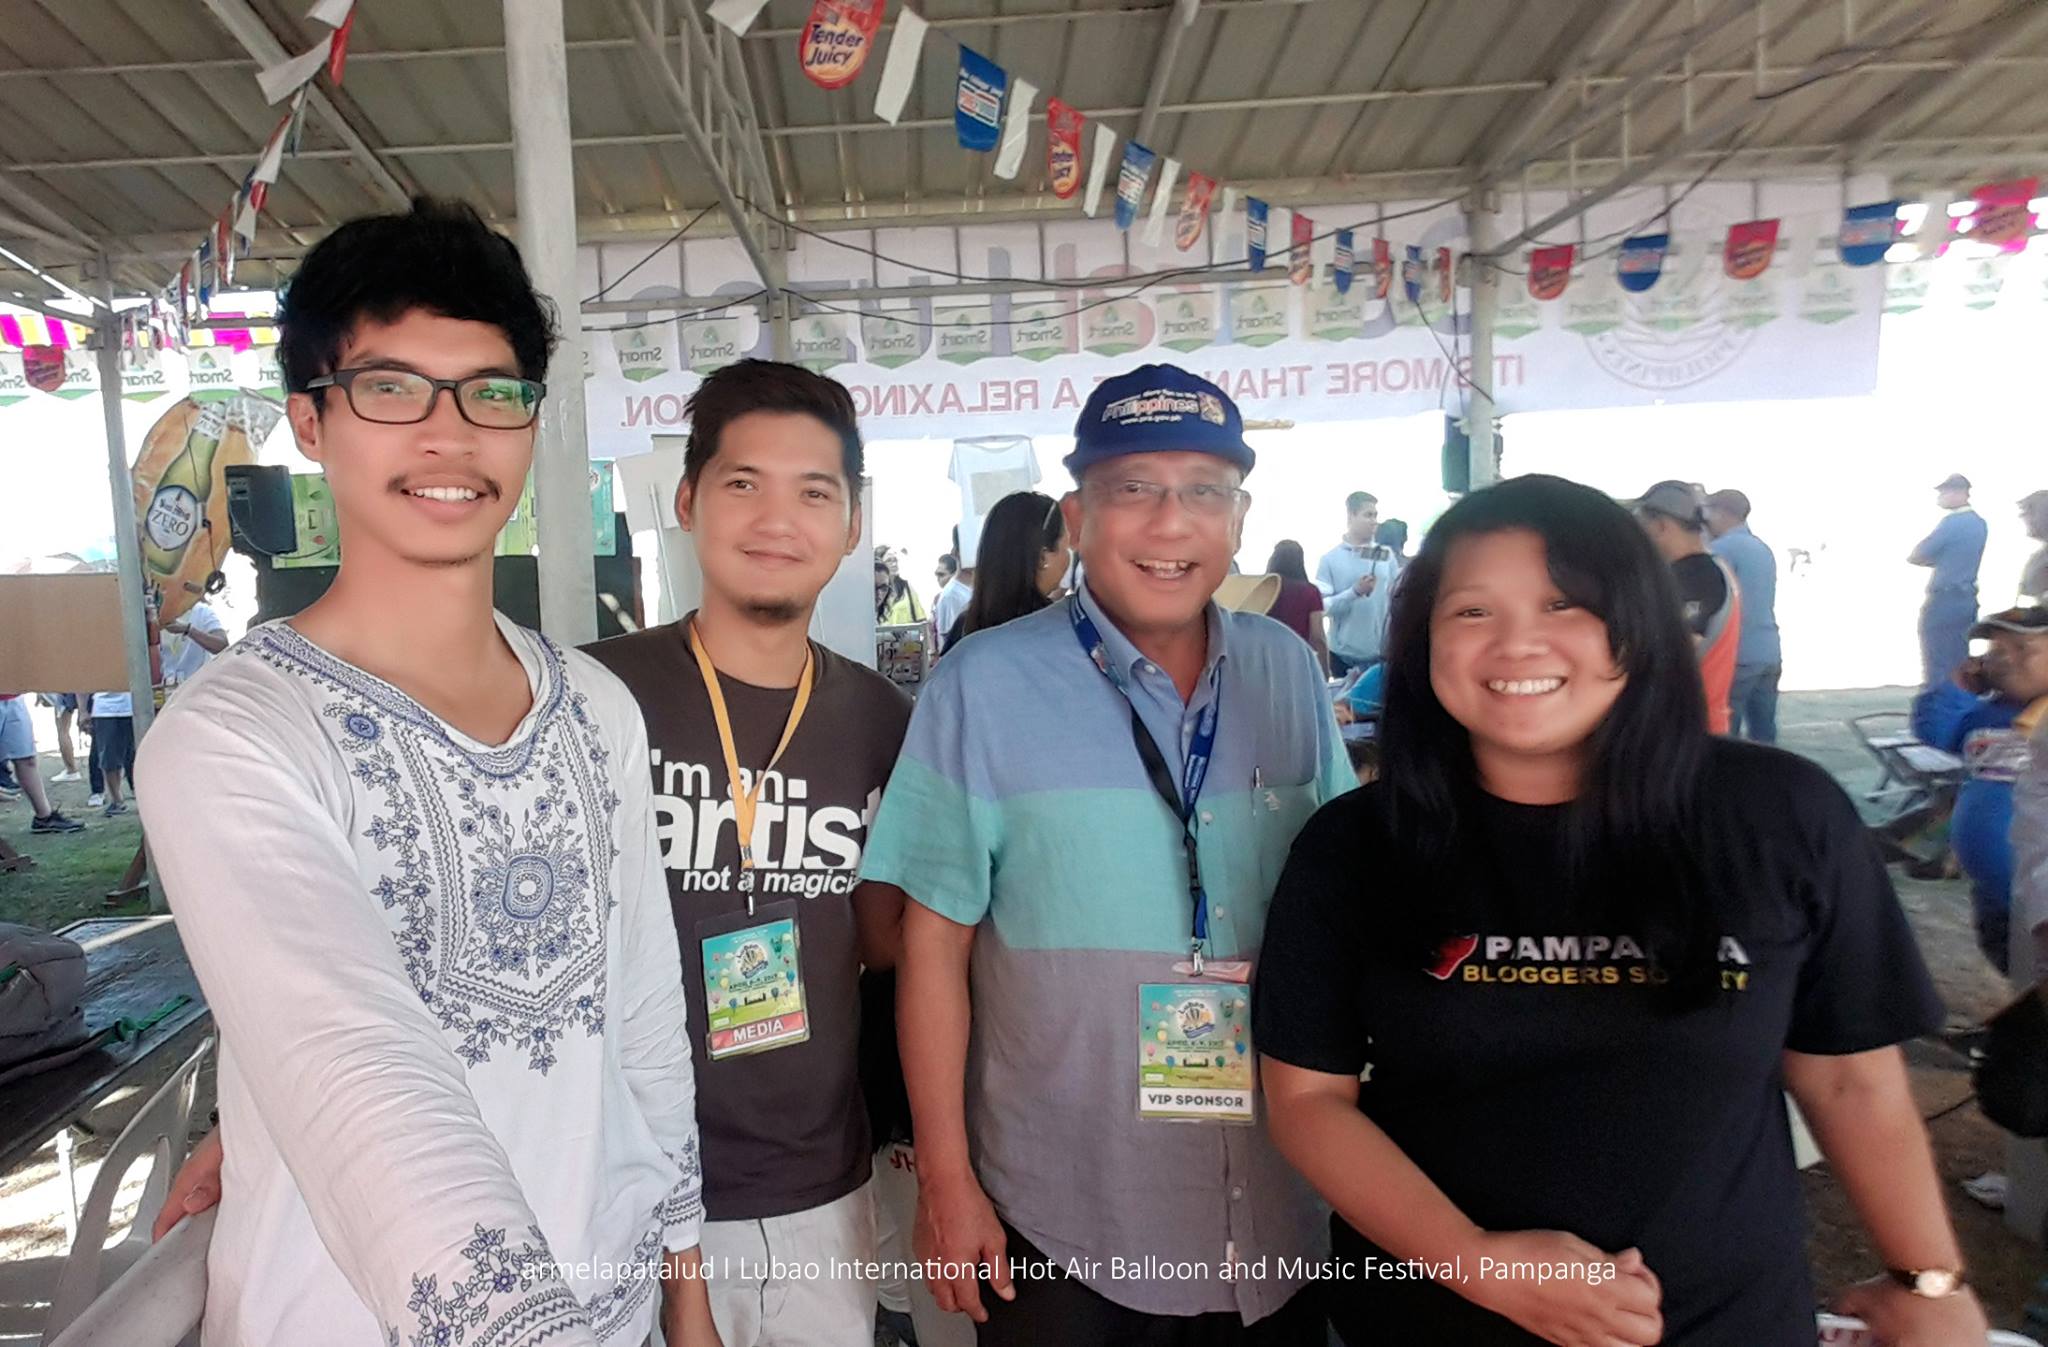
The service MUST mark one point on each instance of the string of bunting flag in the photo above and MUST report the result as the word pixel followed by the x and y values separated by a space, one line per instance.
pixel 166 320
pixel 994 111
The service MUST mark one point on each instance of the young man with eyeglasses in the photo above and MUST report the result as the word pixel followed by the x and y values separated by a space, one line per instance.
pixel 411 851
pixel 1357 579
pixel 1091 809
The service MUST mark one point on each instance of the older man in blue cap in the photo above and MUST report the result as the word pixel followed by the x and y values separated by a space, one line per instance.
pixel 1089 814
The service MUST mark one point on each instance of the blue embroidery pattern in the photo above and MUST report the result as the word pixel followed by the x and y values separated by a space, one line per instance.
pixel 475 1311
pixel 494 866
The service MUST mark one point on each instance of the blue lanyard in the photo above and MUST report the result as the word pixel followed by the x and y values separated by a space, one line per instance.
pixel 1194 769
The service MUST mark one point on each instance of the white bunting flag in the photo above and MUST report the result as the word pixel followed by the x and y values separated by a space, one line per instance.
pixel 281 79
pixel 1016 127
pixel 1098 170
pixel 1155 224
pixel 245 221
pixel 899 67
pixel 333 13
pixel 1227 223
pixel 738 15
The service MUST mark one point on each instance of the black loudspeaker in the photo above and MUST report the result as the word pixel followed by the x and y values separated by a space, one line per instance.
pixel 1457 461
pixel 515 587
pixel 260 522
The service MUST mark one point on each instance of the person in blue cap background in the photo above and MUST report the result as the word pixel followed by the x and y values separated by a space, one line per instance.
pixel 1091 809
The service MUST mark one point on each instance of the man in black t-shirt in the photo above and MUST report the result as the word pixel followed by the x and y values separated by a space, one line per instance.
pixel 748 719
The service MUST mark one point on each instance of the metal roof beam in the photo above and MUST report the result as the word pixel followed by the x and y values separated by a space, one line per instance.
pixel 1521 121
pixel 255 37
pixel 650 45
pixel 1178 20
pixel 1498 162
pixel 1931 93
pixel 1712 133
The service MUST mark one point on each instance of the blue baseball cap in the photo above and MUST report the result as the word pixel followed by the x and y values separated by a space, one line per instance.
pixel 1158 409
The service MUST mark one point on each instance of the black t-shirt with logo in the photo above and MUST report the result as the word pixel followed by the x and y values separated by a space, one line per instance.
pixel 1702 587
pixel 1537 1076
pixel 783 1130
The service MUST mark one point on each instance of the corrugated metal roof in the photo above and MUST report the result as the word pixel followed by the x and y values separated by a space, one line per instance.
pixel 129 123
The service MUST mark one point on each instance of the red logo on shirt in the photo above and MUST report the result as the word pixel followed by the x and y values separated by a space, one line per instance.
pixel 1452 953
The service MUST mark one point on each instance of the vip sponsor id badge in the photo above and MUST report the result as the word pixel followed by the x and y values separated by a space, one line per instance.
pixel 1195 1052
pixel 754 986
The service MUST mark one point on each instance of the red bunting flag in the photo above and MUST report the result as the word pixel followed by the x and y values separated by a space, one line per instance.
pixel 224 248
pixel 1550 270
pixel 337 51
pixel 1446 275
pixel 1299 268
pixel 1382 268
pixel 2002 218
pixel 837 39
pixel 1062 148
pixel 1750 246
pixel 1194 211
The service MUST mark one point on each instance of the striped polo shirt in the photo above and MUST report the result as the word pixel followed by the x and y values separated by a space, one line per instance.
pixel 1020 806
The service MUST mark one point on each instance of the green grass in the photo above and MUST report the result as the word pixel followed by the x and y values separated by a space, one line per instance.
pixel 73 871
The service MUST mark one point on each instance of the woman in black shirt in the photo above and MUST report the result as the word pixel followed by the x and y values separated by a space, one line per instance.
pixel 1527 1005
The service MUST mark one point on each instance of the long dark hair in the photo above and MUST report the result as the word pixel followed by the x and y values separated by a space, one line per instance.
pixel 1019 531
pixel 1287 561
pixel 1633 821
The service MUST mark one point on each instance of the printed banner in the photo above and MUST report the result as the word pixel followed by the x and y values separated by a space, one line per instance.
pixel 1642 261
pixel 1446 276
pixel 889 342
pixel 1299 266
pixel 965 334
pixel 1980 282
pixel 1751 303
pixel 1550 270
pixel 1255 232
pixel 1335 315
pixel 319 534
pixel 43 368
pixel 1907 285
pixel 1042 329
pixel 142 374
pixel 211 371
pixel 269 380
pixel 819 341
pixel 1258 316
pixel 1382 269
pixel 1750 245
pixel 710 343
pixel 13 379
pixel 1516 314
pixel 1341 266
pixel 1187 321
pixel 1131 178
pixel 1194 211
pixel 1062 148
pixel 1016 128
pixel 978 109
pixel 1829 293
pixel 2002 217
pixel 836 40
pixel 1867 233
pixel 643 351
pixel 1411 275
pixel 1115 329
pixel 899 67
pixel 180 492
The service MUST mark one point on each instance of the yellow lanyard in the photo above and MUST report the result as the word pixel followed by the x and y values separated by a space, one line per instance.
pixel 744 802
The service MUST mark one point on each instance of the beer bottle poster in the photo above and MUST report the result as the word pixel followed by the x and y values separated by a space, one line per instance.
pixel 181 500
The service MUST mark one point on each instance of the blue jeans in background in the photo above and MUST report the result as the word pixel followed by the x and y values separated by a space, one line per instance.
pixel 1753 703
pixel 1945 623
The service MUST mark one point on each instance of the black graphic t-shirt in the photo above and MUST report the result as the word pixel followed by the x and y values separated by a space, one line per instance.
pixel 1702 587
pixel 783 1130
pixel 1534 1074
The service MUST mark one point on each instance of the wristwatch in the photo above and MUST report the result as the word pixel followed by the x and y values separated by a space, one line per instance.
pixel 1930 1283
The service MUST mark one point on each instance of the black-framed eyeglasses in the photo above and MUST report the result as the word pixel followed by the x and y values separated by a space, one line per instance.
pixel 402 397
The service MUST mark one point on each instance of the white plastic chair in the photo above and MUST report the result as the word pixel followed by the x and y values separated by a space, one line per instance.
pixel 1837 1331
pixel 161 1130
pixel 157 1302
